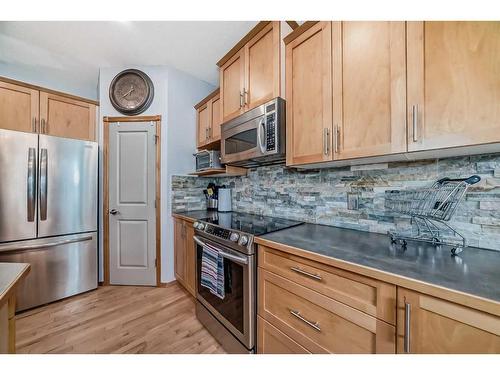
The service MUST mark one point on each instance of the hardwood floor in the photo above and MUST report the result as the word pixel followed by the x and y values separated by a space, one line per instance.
pixel 116 319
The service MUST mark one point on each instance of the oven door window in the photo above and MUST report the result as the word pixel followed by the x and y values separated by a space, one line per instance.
pixel 232 306
pixel 240 142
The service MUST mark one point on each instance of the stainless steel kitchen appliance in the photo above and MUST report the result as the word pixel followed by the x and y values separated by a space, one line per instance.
pixel 232 320
pixel 207 159
pixel 48 214
pixel 257 137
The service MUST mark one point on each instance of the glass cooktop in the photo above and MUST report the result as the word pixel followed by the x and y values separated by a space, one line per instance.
pixel 256 225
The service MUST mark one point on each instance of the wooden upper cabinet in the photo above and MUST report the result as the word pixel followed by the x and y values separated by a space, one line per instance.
pixel 431 325
pixel 453 84
pixel 369 88
pixel 208 120
pixel 18 107
pixel 262 66
pixel 309 96
pixel 65 117
pixel 216 118
pixel 251 76
pixel 232 86
pixel 203 122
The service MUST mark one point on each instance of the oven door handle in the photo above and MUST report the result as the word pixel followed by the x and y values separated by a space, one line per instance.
pixel 234 258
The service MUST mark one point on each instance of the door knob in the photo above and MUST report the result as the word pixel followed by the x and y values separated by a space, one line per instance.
pixel 113 211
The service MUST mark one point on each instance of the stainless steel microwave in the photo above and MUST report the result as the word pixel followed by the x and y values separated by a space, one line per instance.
pixel 207 159
pixel 256 137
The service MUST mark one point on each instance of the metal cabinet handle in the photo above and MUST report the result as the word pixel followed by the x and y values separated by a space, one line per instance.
pixel 414 114
pixel 241 99
pixel 305 273
pixel 31 184
pixel 245 93
pixel 337 138
pixel 326 141
pixel 43 126
pixel 297 314
pixel 407 328
pixel 33 124
pixel 43 183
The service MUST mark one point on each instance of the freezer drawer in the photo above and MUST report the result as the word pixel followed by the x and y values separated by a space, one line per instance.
pixel 67 186
pixel 18 160
pixel 60 267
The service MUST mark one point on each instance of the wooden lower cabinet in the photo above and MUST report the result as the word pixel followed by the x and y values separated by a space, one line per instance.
pixel 271 340
pixel 318 323
pixel 432 325
pixel 8 326
pixel 185 255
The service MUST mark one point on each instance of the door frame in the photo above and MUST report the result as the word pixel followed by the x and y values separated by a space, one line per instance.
pixel 107 120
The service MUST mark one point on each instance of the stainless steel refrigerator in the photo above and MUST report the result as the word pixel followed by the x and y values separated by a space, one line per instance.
pixel 48 214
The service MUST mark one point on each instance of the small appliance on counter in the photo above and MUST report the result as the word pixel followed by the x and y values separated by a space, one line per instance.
pixel 207 159
pixel 224 194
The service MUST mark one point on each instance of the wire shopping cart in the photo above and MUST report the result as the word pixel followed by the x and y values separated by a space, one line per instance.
pixel 430 209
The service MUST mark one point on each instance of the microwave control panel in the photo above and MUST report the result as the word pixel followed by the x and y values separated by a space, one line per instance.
pixel 271 132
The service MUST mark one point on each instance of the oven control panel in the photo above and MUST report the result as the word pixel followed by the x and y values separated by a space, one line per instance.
pixel 237 239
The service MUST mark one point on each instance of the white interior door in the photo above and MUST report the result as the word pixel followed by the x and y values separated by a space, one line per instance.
pixel 132 194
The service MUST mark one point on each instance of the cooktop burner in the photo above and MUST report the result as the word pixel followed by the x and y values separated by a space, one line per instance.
pixel 256 225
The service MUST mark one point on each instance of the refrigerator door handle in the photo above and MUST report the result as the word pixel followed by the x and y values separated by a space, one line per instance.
pixel 17 247
pixel 31 184
pixel 43 183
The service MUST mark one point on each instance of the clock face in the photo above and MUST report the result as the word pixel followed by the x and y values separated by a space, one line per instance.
pixel 131 92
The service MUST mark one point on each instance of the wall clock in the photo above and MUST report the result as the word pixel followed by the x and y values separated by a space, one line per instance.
pixel 131 92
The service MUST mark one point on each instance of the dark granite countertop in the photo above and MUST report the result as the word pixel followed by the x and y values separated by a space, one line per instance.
pixel 474 271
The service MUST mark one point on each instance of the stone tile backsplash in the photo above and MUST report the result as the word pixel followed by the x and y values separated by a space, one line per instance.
pixel 320 195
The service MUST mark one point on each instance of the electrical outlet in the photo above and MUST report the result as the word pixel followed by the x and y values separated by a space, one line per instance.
pixel 352 201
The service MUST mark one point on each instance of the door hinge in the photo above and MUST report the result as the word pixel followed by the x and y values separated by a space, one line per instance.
pixel 156 263
pixel 156 139
pixel 155 203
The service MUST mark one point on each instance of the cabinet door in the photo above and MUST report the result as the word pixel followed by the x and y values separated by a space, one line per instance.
pixel 430 325
pixel 232 83
pixel 18 108
pixel 216 119
pixel 309 96
pixel 272 341
pixel 203 121
pixel 65 117
pixel 369 88
pixel 453 84
pixel 179 250
pixel 262 66
pixel 190 259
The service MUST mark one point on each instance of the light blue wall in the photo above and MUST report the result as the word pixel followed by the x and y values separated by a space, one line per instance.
pixel 51 78
pixel 175 95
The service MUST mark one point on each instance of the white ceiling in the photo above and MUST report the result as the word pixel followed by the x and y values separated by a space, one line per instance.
pixel 81 48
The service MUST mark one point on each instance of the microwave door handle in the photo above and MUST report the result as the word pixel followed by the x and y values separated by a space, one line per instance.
pixel 261 136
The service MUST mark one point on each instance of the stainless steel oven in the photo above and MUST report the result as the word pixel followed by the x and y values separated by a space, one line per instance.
pixel 257 137
pixel 232 319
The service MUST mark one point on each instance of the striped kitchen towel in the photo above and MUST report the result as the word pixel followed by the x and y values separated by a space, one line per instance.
pixel 212 271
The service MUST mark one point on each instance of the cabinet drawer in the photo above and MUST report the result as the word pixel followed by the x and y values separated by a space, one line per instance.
pixel 371 296
pixel 272 341
pixel 318 323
